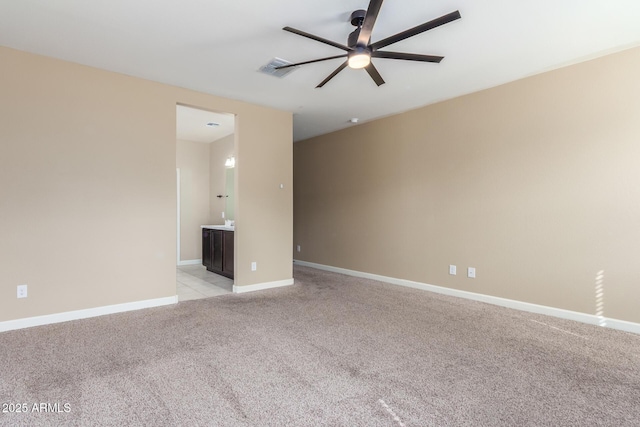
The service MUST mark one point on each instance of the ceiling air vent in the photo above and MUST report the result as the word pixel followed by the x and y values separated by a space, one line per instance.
pixel 270 68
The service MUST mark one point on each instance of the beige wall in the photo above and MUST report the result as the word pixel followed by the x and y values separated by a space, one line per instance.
pixel 535 183
pixel 193 160
pixel 260 170
pixel 220 151
pixel 88 187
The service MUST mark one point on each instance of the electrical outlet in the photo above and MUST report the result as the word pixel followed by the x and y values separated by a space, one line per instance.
pixel 298 248
pixel 222 215
pixel 471 272
pixel 22 291
pixel 254 266
pixel 452 270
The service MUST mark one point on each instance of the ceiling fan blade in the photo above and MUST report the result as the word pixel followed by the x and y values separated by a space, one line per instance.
pixel 310 62
pixel 407 56
pixel 317 38
pixel 369 20
pixel 332 75
pixel 375 75
pixel 416 30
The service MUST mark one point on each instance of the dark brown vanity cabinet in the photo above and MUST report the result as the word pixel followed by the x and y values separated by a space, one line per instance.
pixel 227 258
pixel 206 248
pixel 217 251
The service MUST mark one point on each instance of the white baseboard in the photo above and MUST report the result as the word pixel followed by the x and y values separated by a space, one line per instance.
pixel 592 319
pixel 29 322
pixel 190 262
pixel 261 286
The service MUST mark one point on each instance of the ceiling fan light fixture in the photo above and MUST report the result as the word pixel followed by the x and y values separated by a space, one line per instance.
pixel 359 59
pixel 359 48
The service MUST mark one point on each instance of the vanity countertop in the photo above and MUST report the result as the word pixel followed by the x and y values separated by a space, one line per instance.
pixel 219 227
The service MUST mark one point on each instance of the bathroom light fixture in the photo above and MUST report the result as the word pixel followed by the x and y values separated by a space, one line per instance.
pixel 231 162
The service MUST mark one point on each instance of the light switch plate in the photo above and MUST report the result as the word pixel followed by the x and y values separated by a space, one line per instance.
pixel 452 270
pixel 471 272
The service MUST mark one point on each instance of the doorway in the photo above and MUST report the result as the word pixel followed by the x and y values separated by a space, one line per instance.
pixel 205 175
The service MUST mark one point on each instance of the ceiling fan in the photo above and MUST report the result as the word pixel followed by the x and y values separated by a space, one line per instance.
pixel 359 48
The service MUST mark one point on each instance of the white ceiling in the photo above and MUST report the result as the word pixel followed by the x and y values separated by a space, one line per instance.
pixel 191 124
pixel 217 46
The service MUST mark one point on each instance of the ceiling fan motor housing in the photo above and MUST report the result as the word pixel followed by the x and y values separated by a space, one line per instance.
pixel 357 17
pixel 352 41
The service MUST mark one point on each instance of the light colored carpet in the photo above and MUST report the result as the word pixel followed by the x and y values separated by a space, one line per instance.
pixel 330 350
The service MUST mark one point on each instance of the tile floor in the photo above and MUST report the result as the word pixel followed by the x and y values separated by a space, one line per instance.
pixel 195 282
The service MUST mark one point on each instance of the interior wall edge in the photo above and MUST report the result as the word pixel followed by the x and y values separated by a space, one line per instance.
pixel 590 319
pixel 190 262
pixel 262 286
pixel 49 319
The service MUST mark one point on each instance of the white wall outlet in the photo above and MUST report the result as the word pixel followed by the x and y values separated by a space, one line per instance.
pixel 223 215
pixel 298 248
pixel 22 291
pixel 452 270
pixel 254 266
pixel 471 272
